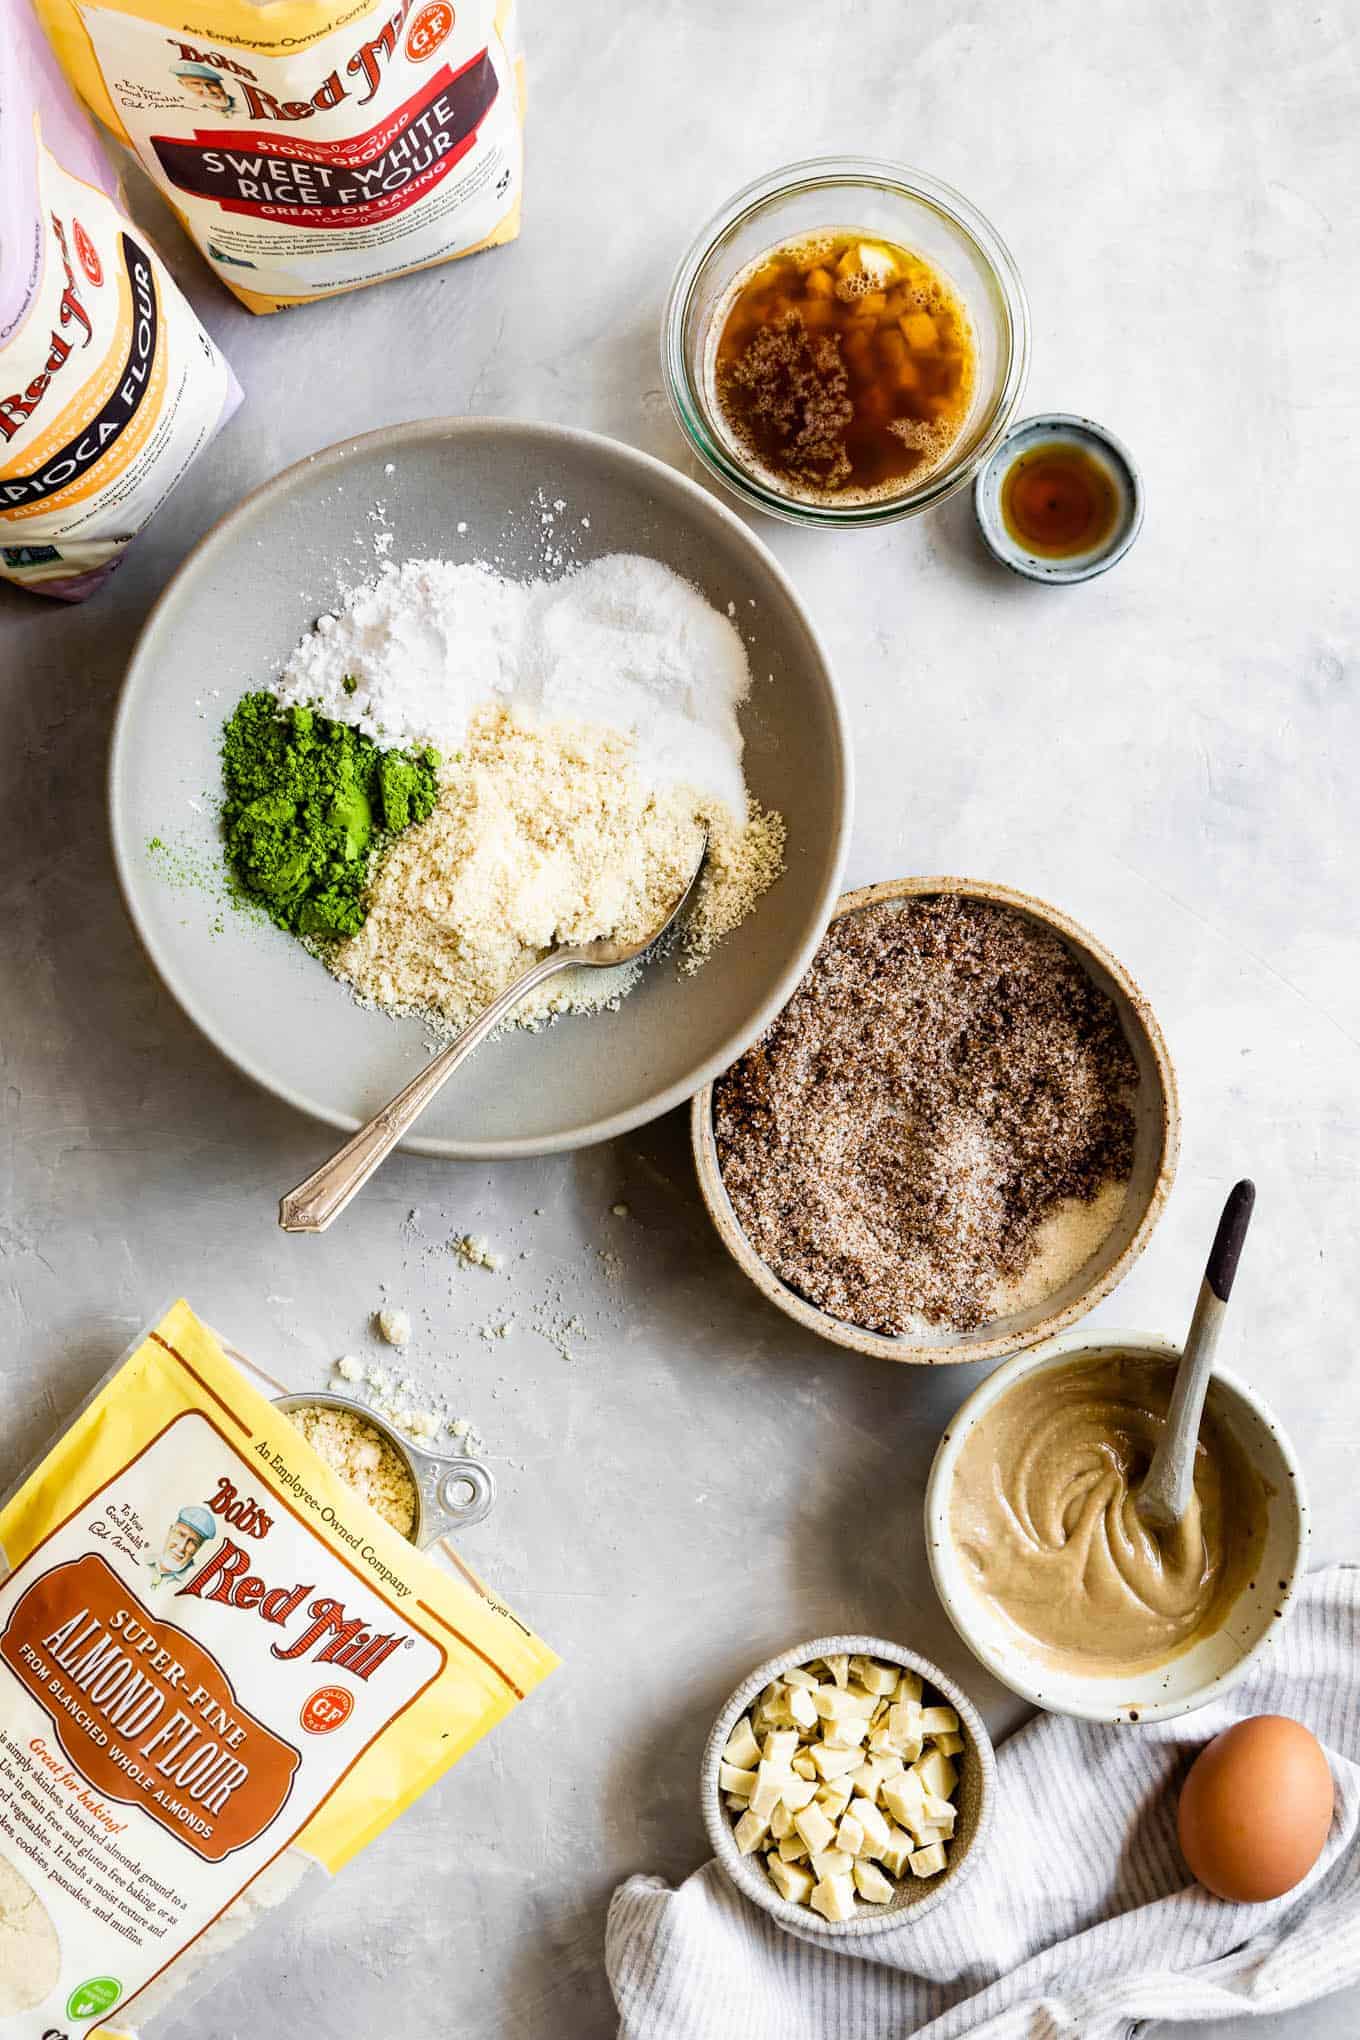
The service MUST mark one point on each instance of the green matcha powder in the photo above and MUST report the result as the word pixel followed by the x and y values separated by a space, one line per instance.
pixel 307 803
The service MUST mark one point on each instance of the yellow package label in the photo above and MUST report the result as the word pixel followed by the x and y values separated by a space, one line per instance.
pixel 220 1670
pixel 312 146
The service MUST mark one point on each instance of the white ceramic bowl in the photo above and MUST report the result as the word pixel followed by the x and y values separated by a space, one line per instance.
pixel 915 1896
pixel 1194 1677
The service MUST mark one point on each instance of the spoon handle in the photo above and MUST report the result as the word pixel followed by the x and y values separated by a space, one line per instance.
pixel 1165 1494
pixel 315 1203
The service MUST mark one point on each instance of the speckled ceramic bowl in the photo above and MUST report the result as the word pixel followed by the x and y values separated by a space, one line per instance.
pixel 915 1896
pixel 1154 1164
pixel 1217 1661
pixel 1114 457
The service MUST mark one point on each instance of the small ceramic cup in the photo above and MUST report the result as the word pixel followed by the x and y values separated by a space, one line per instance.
pixel 1064 428
pixel 1215 1662
pixel 452 1493
pixel 915 1896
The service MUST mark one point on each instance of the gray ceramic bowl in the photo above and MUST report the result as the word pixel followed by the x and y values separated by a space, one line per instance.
pixel 915 1897
pixel 1067 428
pixel 464 489
pixel 1157 1146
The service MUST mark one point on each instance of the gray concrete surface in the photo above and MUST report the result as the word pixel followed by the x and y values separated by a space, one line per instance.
pixel 1169 753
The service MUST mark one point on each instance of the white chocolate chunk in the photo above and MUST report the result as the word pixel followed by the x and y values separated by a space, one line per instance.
pixel 833 1898
pixel 949 1745
pixel 872 1825
pixel 939 1721
pixel 909 1686
pixel 796 1676
pixel 769 1786
pixel 815 1829
pixel 834 1763
pixel 781 1822
pixel 831 1863
pixel 846 1733
pixel 793 1849
pixel 874 1677
pixel 904 1798
pixel 930 1861
pixel 750 1832
pixel 850 1835
pixel 780 1747
pixel 803 1707
pixel 870 1883
pixel 804 1765
pixel 834 1797
pixel 898 1853
pixel 791 1881
pixel 937 1774
pixel 732 1779
pixel 795 1792
pixel 743 1751
pixel 839 1667
pixel 939 1812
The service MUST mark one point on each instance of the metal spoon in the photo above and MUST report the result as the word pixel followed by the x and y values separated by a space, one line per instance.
pixel 315 1203
pixel 1164 1498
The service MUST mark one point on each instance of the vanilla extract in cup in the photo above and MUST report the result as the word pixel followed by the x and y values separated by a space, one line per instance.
pixel 1059 500
pixel 843 367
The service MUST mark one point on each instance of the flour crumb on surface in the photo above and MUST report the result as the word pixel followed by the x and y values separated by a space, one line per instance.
pixel 350 1368
pixel 474 1250
pixel 395 1326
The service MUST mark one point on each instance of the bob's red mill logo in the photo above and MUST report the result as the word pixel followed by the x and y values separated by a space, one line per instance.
pixel 356 178
pixel 329 1634
pixel 365 68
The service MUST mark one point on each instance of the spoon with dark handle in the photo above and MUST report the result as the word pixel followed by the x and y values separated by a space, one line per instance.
pixel 316 1203
pixel 1164 1498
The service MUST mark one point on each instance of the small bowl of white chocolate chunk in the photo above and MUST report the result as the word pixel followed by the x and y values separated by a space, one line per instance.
pixel 847 1785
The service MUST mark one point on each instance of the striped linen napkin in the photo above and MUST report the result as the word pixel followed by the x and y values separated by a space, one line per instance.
pixel 1080 1921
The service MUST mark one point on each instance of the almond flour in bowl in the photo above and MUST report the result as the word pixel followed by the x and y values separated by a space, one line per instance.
pixel 588 737
pixel 957 1134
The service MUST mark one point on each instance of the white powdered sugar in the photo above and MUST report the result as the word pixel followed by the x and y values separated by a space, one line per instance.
pixel 623 642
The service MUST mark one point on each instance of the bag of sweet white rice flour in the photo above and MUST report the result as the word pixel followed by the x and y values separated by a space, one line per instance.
pixel 222 1673
pixel 312 146
pixel 109 386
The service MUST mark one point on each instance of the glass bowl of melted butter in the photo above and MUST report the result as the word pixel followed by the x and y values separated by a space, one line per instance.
pixel 846 342
pixel 1045 1568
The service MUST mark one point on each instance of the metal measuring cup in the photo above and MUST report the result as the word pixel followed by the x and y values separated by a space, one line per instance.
pixel 452 1492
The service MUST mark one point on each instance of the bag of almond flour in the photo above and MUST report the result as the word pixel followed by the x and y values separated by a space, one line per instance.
pixel 109 387
pixel 312 146
pixel 221 1675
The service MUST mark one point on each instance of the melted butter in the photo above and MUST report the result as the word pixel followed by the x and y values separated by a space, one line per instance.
pixel 1043 1514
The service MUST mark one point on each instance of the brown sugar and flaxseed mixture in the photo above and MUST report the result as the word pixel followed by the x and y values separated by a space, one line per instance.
pixel 946 1083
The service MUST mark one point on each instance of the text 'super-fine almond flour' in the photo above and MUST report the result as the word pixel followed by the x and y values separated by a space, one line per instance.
pixel 109 387
pixel 312 146
pixel 220 1671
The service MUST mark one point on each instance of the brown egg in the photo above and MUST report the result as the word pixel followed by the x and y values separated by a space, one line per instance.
pixel 1255 1809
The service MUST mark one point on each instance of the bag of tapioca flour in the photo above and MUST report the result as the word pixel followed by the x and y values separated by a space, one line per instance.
pixel 221 1675
pixel 109 386
pixel 312 146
